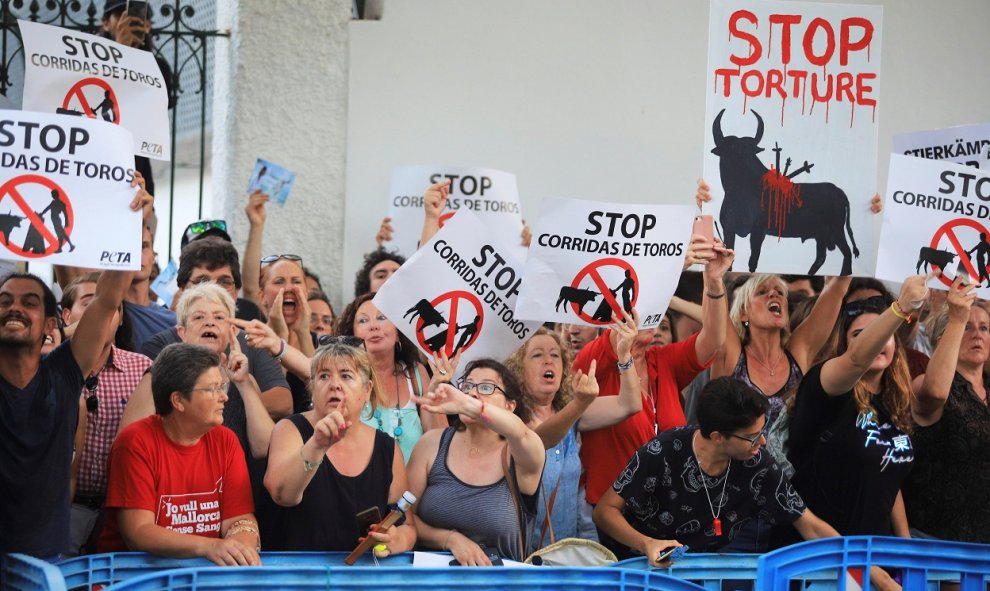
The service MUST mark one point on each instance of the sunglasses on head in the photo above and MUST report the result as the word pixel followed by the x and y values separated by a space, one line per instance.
pixel 92 402
pixel 275 257
pixel 872 305
pixel 196 228
pixel 348 340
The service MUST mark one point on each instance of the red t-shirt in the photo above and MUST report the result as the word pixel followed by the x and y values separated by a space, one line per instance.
pixel 190 489
pixel 605 452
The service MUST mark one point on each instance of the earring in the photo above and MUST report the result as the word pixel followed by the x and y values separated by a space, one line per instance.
pixel 746 324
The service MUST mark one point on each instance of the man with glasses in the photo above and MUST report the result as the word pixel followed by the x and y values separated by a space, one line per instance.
pixel 178 481
pixel 106 391
pixel 699 486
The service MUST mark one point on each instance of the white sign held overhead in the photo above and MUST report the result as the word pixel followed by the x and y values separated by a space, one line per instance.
pixel 492 195
pixel 65 190
pixel 936 218
pixel 458 294
pixel 590 260
pixel 73 73
pixel 793 92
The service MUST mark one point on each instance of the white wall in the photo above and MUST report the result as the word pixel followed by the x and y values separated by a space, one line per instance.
pixel 596 99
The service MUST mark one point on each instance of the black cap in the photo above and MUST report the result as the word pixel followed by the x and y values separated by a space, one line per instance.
pixel 112 6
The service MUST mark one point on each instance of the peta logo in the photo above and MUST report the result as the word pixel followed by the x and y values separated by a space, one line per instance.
pixel 117 258
pixel 150 148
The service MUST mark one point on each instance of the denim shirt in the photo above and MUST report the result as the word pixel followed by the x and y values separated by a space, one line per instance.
pixel 571 511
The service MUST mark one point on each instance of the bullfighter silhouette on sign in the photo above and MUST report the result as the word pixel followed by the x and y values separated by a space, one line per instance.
pixel 759 201
pixel 982 250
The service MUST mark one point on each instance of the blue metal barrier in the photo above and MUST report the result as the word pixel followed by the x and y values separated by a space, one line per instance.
pixel 921 562
pixel 403 579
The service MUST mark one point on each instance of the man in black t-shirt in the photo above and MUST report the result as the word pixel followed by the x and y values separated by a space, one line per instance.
pixel 39 402
pixel 698 486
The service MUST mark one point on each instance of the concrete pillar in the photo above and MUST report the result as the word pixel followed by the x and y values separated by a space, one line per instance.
pixel 281 94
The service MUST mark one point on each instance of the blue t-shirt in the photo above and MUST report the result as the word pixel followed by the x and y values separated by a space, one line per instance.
pixel 37 428
pixel 147 321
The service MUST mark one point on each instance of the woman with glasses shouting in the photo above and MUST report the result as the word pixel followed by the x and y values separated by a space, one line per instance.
pixel 478 482
pixel 850 428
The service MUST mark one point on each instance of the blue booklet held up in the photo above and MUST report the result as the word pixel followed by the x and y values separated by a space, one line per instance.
pixel 272 180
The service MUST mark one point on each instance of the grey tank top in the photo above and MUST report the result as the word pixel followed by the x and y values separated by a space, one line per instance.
pixel 485 514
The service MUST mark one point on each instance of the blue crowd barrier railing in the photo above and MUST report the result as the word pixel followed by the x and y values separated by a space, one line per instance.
pixel 920 562
pixel 344 578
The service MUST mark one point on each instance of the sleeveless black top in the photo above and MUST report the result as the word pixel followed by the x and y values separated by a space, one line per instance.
pixel 325 519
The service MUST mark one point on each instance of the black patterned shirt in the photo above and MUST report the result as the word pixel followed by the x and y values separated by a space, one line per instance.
pixel 665 495
pixel 947 495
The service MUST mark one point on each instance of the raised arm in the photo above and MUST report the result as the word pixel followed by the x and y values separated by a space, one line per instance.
pixel 714 306
pixel 931 390
pixel 841 373
pixel 434 202
pixel 524 444
pixel 810 336
pixel 259 422
pixel 605 411
pixel 251 263
pixel 261 336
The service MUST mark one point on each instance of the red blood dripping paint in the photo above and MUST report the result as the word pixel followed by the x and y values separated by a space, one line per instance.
pixel 779 195
pixel 718 526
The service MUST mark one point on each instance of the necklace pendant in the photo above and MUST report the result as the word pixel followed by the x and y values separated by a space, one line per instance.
pixel 398 431
pixel 772 373
pixel 717 523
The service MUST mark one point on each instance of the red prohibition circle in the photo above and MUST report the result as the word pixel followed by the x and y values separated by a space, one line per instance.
pixel 454 297
pixel 77 92
pixel 10 189
pixel 443 219
pixel 591 270
pixel 947 230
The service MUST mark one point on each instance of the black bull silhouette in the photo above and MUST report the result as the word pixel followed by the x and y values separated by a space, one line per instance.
pixel 821 213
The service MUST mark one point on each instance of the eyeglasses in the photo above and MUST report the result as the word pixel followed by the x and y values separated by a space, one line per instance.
pixel 275 257
pixel 753 441
pixel 483 388
pixel 92 402
pixel 348 340
pixel 224 282
pixel 214 391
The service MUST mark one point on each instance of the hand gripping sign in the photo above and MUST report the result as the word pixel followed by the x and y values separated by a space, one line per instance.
pixel 72 73
pixel 590 260
pixel 457 294
pixel 936 217
pixel 490 194
pixel 64 192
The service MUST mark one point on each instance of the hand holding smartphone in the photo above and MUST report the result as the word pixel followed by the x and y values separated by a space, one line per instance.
pixel 672 553
pixel 704 225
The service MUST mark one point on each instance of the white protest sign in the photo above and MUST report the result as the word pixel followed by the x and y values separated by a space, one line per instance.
pixel 936 216
pixel 490 194
pixel 65 191
pixel 791 133
pixel 73 73
pixel 590 260
pixel 963 144
pixel 458 293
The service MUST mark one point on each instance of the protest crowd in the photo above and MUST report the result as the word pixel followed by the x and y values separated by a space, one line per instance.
pixel 249 415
